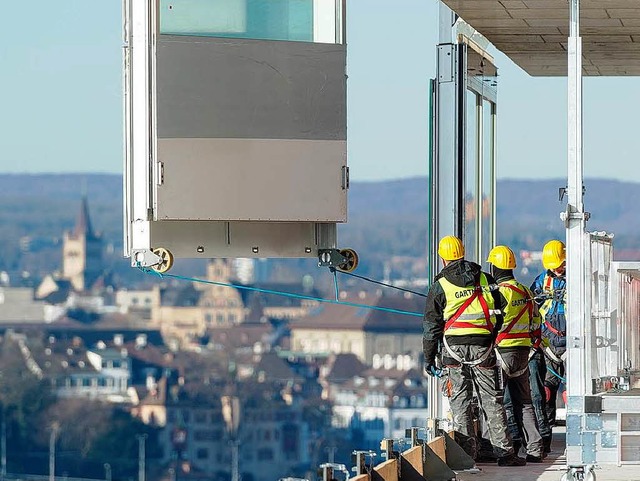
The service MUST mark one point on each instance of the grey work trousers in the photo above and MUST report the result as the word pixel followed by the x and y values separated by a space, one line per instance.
pixel 483 380
pixel 554 383
pixel 521 416
pixel 537 373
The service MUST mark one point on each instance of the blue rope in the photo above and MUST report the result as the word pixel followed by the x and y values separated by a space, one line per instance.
pixel 335 284
pixel 280 293
pixel 556 375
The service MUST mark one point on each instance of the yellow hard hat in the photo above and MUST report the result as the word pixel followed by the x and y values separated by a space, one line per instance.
pixel 553 254
pixel 450 248
pixel 502 257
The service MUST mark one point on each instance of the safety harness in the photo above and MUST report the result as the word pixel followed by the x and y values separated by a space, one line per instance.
pixel 548 288
pixel 553 356
pixel 527 307
pixel 455 322
pixel 507 334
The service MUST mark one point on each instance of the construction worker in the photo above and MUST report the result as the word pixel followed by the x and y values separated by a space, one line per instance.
pixel 549 289
pixel 461 318
pixel 513 346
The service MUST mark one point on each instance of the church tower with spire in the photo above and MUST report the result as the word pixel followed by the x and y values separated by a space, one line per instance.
pixel 82 252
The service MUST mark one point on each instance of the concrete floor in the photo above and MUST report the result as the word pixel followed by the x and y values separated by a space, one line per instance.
pixel 551 469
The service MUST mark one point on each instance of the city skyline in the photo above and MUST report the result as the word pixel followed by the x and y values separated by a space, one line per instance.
pixel 63 100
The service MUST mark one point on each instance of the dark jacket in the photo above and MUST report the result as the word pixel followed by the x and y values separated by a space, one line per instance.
pixel 462 273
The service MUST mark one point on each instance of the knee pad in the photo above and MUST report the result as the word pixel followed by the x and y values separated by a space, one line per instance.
pixel 547 393
pixel 564 396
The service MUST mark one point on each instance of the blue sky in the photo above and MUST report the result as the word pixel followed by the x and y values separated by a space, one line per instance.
pixel 62 112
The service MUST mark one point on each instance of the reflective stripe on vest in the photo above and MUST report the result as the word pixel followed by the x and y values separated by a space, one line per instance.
pixel 517 324
pixel 468 309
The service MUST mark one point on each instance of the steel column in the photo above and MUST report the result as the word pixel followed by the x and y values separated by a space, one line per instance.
pixel 580 445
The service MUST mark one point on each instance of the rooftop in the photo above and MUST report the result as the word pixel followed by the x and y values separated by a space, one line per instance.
pixel 533 33
pixel 346 317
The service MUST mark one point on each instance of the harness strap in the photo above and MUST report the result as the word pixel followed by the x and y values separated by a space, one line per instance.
pixel 554 330
pixel 528 307
pixel 537 336
pixel 514 289
pixel 510 374
pixel 485 309
pixel 461 360
pixel 462 308
pixel 552 355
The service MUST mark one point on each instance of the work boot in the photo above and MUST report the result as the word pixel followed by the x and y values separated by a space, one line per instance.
pixel 533 459
pixel 546 444
pixel 511 460
pixel 485 458
pixel 516 446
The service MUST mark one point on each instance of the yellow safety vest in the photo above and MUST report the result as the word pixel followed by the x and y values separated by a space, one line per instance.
pixel 469 310
pixel 518 315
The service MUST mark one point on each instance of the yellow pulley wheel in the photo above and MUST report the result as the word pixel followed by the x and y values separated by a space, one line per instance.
pixel 166 260
pixel 352 260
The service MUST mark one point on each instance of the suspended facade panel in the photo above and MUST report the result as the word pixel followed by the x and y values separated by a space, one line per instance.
pixel 235 127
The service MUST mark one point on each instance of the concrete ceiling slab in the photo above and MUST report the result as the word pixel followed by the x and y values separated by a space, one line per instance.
pixel 533 33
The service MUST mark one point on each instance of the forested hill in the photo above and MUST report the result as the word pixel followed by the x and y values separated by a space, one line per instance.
pixel 385 218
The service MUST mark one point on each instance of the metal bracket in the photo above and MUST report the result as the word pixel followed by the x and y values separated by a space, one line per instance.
pixel 360 460
pixel 329 468
pixel 345 177
pixel 562 191
pixel 144 258
pixel 570 214
pixel 386 446
pixel 330 258
pixel 412 433
pixel 160 173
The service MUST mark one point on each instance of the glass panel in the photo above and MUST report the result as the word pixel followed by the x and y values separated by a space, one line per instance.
pixel 295 20
pixel 630 422
pixel 487 178
pixel 471 172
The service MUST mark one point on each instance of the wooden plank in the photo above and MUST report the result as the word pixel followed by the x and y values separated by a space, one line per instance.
pixel 437 445
pixel 360 477
pixel 414 457
pixel 387 471
pixel 513 4
pixel 624 13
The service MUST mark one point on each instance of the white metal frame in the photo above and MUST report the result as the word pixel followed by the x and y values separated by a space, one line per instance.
pixel 447 169
pixel 139 34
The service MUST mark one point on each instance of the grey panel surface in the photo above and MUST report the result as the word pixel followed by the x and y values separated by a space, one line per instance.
pixel 238 88
pixel 625 402
pixel 252 180
pixel 239 239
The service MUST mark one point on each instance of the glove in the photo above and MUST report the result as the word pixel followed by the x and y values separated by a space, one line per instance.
pixel 433 371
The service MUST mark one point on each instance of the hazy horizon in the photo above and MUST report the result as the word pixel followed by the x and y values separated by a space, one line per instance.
pixel 62 104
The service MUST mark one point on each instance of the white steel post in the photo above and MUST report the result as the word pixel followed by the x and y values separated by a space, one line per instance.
pixel 574 216
pixel 578 305
pixel 445 174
